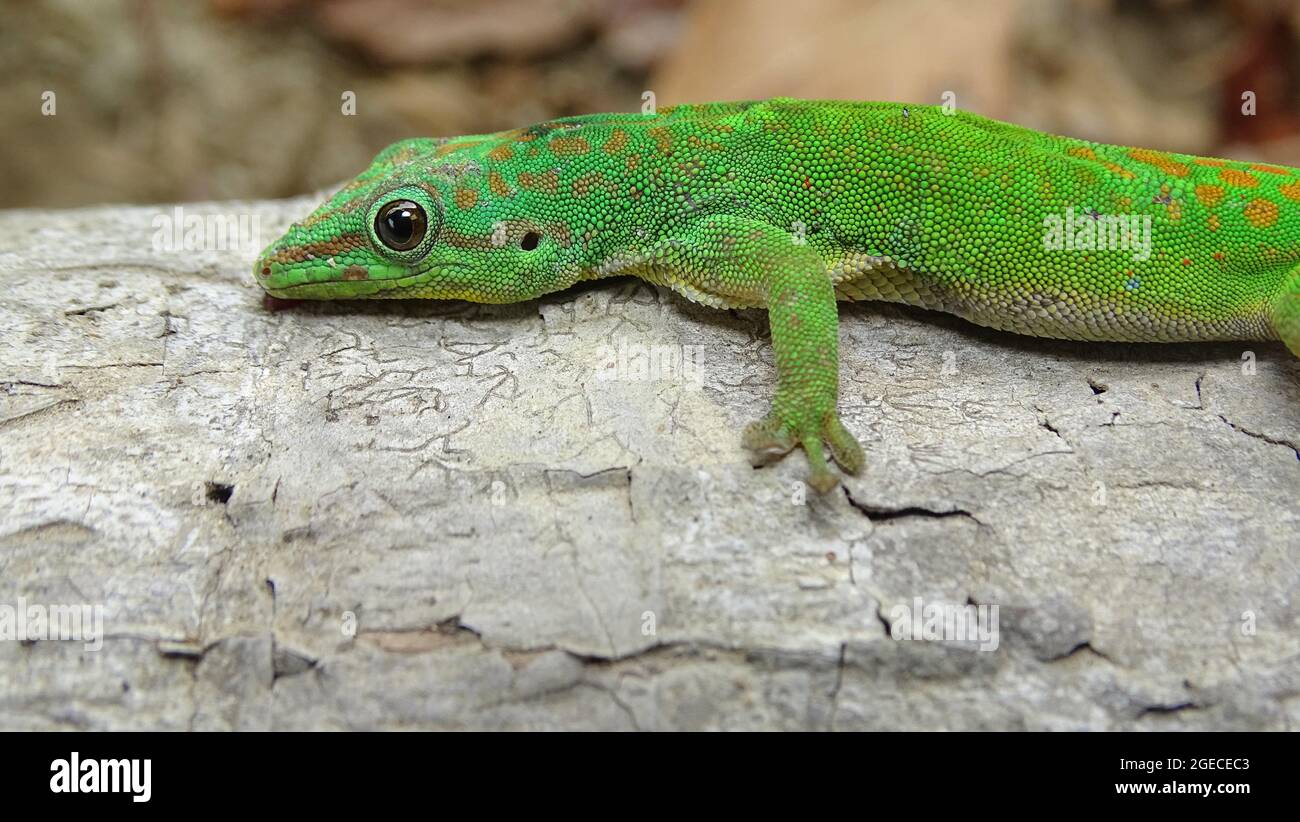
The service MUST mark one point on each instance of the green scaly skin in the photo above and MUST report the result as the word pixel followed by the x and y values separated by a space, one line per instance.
pixel 790 205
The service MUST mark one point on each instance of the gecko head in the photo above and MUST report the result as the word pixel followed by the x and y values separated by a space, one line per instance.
pixel 416 225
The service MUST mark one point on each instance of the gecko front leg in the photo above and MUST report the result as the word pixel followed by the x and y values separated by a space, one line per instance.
pixel 751 262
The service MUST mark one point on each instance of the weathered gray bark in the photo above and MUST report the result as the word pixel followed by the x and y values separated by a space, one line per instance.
pixel 525 545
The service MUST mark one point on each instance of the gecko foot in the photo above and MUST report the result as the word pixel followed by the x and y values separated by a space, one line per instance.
pixel 770 439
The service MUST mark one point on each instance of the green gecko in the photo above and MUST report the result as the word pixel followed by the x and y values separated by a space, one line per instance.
pixel 791 205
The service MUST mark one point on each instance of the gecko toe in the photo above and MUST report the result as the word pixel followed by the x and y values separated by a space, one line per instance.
pixel 767 441
pixel 820 477
pixel 845 449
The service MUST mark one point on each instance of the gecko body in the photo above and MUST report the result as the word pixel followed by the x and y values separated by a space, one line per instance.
pixel 792 205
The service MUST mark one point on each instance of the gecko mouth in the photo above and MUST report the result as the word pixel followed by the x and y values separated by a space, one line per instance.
pixel 353 282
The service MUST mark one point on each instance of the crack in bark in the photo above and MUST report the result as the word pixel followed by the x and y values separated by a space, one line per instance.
pixel 881 513
pixel 40 410
pixel 1086 647
pixel 1177 707
pixel 1264 437
pixel 90 309
pixel 613 697
pixel 884 621
pixel 839 682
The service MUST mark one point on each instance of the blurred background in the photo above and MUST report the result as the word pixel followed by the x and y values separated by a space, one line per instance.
pixel 159 101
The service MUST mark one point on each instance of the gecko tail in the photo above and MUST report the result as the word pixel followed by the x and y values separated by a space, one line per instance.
pixel 1286 311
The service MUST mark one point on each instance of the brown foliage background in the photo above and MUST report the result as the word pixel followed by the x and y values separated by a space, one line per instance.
pixel 160 101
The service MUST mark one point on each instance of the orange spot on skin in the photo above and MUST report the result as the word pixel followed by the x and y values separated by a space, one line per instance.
pixel 465 198
pixel 1261 213
pixel 1211 162
pixel 548 183
pixel 356 272
pixel 1118 169
pixel 663 139
pixel 501 153
pixel 497 184
pixel 1186 261
pixel 1267 169
pixel 561 146
pixel 1214 222
pixel 1219 255
pixel 1082 151
pixel 617 142
pixel 1161 161
pixel 583 185
pixel 1237 177
pixel 633 162
pixel 1291 191
pixel 1175 211
pixel 1209 195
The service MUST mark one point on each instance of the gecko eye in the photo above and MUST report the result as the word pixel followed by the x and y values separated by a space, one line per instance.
pixel 401 225
pixel 530 241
